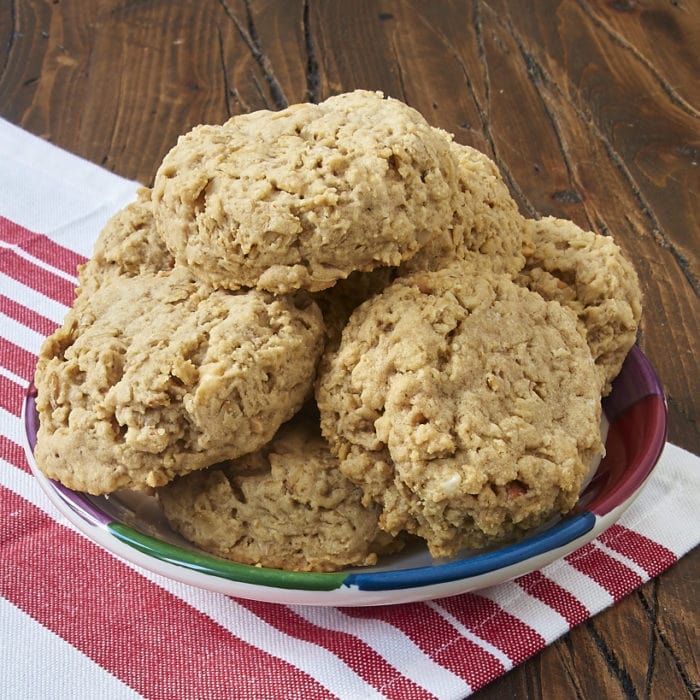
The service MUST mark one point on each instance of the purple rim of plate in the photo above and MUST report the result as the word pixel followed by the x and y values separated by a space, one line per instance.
pixel 637 387
pixel 636 380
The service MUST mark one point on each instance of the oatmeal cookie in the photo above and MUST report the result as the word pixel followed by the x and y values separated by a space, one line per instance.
pixel 587 273
pixel 128 245
pixel 486 220
pixel 157 375
pixel 466 406
pixel 302 197
pixel 286 506
pixel 486 226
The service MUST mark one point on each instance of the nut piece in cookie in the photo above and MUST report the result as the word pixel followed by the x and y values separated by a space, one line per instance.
pixel 286 507
pixel 158 375
pixel 302 197
pixel 128 245
pixel 587 273
pixel 466 406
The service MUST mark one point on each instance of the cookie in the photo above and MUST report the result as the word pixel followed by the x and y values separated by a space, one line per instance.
pixel 157 375
pixel 486 220
pixel 286 506
pixel 128 245
pixel 302 197
pixel 466 406
pixel 587 273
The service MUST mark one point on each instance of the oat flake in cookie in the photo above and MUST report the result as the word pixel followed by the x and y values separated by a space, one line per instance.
pixel 158 375
pixel 302 197
pixel 466 406
pixel 286 506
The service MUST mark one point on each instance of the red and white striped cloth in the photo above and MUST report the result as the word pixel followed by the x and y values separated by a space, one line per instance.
pixel 77 622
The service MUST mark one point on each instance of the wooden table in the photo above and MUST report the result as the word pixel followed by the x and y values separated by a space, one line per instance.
pixel 590 109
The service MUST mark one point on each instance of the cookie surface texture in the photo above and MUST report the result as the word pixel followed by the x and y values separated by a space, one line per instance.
pixel 286 507
pixel 128 245
pixel 486 220
pixel 302 197
pixel 157 375
pixel 587 273
pixel 463 404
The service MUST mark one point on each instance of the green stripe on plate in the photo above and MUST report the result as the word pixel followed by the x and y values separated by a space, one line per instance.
pixel 223 568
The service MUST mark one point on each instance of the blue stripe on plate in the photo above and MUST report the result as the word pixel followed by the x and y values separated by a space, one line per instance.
pixel 557 536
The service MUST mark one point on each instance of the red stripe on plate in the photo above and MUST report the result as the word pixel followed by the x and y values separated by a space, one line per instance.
pixel 486 619
pixel 26 316
pixel 38 278
pixel 360 657
pixel 553 595
pixel 40 246
pixel 11 396
pixel 609 573
pixel 18 360
pixel 145 636
pixel 438 639
pixel 647 554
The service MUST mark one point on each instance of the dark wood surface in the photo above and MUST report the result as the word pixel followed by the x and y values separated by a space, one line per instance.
pixel 590 109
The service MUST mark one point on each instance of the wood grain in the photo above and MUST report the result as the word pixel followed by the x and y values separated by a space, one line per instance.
pixel 591 110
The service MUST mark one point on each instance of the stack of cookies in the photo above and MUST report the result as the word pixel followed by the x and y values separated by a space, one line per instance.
pixel 327 330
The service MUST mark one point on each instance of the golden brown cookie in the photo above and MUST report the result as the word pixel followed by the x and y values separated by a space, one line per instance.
pixel 466 406
pixel 286 506
pixel 587 273
pixel 302 197
pixel 486 220
pixel 157 375
pixel 128 245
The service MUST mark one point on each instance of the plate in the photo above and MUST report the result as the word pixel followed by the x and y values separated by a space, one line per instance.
pixel 131 526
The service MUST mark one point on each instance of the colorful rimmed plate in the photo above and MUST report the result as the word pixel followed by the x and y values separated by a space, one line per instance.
pixel 131 526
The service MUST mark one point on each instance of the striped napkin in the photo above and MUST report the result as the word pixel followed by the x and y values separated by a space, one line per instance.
pixel 75 621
